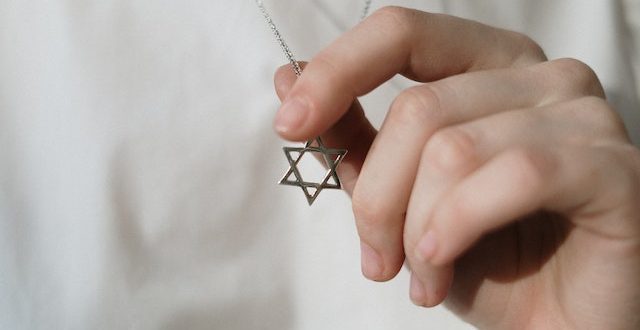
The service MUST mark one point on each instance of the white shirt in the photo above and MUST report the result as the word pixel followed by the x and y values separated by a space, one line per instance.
pixel 138 163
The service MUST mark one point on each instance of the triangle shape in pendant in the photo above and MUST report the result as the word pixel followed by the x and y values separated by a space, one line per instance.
pixel 311 193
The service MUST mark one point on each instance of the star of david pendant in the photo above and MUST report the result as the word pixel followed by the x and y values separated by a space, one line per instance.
pixel 331 163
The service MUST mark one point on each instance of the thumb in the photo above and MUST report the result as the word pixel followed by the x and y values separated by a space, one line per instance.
pixel 353 131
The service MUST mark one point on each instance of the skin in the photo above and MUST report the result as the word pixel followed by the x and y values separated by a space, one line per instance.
pixel 504 181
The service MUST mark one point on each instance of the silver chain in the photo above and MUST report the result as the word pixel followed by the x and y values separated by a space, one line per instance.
pixel 283 44
pixel 365 10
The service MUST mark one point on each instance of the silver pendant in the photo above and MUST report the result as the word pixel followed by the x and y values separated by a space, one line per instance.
pixel 331 157
pixel 327 153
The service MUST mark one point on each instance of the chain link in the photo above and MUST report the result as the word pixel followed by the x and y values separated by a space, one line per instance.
pixel 283 44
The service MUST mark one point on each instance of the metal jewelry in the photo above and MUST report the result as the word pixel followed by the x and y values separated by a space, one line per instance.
pixel 331 157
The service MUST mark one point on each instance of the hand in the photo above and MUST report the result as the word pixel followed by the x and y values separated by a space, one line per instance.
pixel 505 166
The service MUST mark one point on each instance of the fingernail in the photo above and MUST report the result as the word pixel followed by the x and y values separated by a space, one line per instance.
pixel 417 292
pixel 371 262
pixel 291 116
pixel 426 248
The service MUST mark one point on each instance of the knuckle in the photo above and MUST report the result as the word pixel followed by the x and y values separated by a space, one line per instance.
pixel 394 22
pixel 450 150
pixel 578 76
pixel 393 15
pixel 530 50
pixel 529 168
pixel 597 111
pixel 415 105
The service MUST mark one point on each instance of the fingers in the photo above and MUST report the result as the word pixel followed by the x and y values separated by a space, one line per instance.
pixel 513 184
pixel 394 40
pixel 452 155
pixel 500 176
pixel 352 132
pixel 381 195
pixel 430 288
pixel 458 151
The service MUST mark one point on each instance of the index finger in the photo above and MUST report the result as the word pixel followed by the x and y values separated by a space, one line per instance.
pixel 418 45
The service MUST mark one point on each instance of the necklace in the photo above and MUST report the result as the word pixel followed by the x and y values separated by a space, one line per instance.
pixel 331 157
